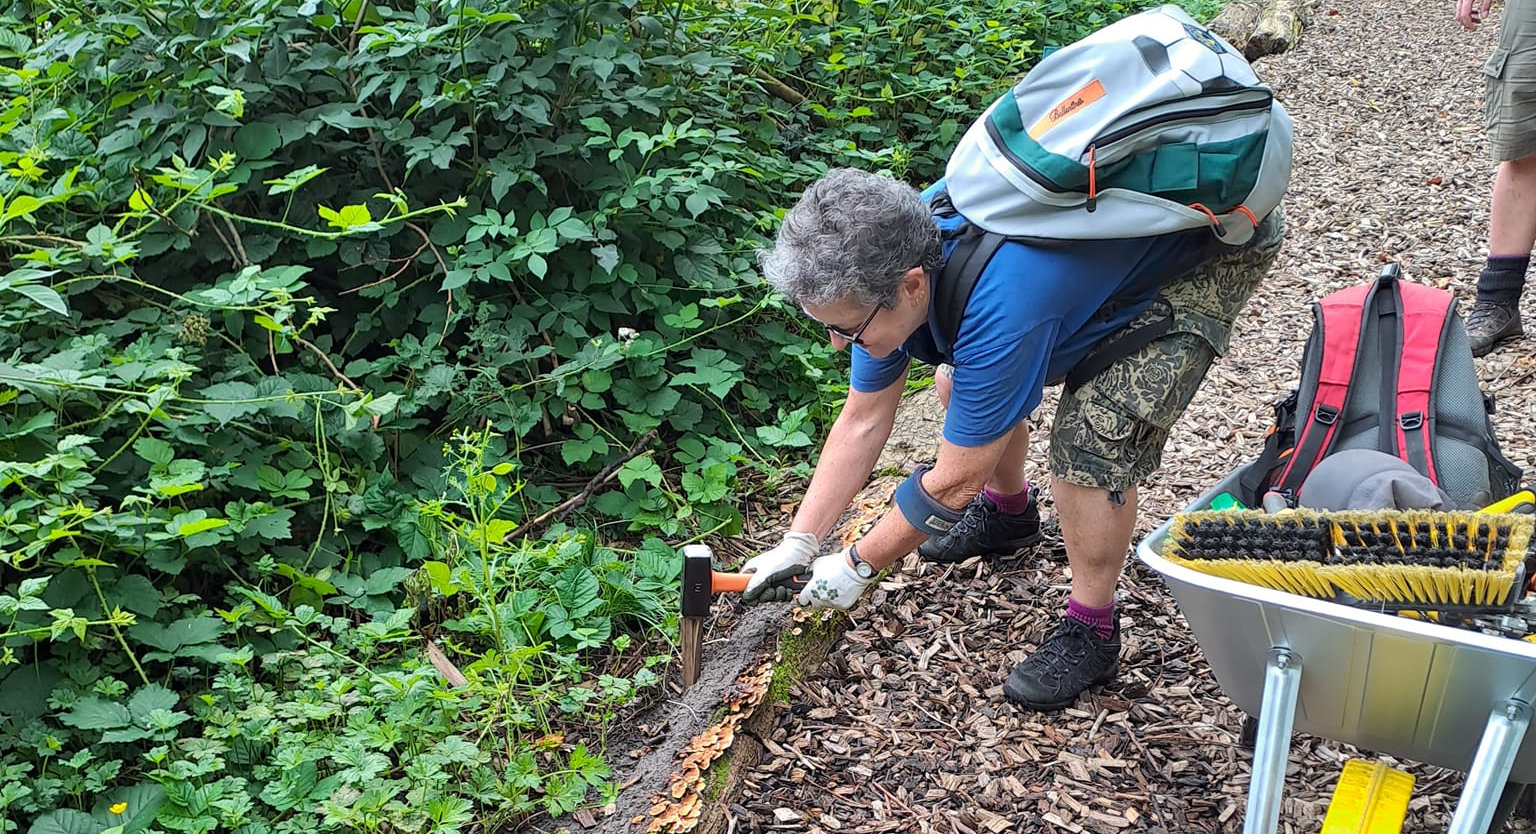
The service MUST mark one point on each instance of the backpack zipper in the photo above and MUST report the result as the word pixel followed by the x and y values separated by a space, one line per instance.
pixel 1179 115
pixel 1093 183
pixel 1051 185
pixel 1020 165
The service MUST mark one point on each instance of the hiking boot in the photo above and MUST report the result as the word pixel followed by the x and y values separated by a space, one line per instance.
pixel 1068 662
pixel 985 530
pixel 1491 322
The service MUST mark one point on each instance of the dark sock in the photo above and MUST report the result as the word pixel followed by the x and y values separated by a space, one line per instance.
pixel 1102 619
pixel 1502 279
pixel 1009 504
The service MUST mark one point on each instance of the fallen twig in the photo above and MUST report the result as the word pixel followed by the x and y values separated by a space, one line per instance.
pixel 445 667
pixel 603 476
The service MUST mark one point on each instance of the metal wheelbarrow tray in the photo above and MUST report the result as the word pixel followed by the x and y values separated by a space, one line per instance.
pixel 1409 688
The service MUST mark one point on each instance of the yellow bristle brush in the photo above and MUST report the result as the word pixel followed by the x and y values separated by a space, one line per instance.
pixel 1370 557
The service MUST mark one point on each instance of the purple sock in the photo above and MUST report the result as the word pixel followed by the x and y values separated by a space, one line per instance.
pixel 1101 619
pixel 1009 504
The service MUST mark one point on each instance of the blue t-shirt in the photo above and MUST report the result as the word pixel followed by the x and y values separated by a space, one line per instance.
pixel 1030 320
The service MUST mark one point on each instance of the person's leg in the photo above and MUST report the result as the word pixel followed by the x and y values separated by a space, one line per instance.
pixel 1495 315
pixel 1512 216
pixel 1097 533
pixel 1008 477
pixel 1004 518
pixel 1510 119
pixel 1107 437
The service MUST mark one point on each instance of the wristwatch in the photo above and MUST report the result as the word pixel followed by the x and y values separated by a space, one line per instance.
pixel 864 569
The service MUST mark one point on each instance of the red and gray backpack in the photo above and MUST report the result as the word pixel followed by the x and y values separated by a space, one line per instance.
pixel 1388 366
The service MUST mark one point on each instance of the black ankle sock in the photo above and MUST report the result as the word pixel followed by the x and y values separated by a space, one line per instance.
pixel 1502 279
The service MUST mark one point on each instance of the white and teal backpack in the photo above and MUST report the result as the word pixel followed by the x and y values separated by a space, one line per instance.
pixel 1149 125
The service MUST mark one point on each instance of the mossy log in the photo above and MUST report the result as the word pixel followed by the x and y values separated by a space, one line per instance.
pixel 1279 28
pixel 1237 20
pixel 1262 27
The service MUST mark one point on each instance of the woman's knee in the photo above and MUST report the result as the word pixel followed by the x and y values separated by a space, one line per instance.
pixel 943 383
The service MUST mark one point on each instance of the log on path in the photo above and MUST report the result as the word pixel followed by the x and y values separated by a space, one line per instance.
pixel 1262 27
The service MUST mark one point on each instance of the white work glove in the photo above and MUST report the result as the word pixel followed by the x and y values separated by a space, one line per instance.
pixel 833 583
pixel 790 557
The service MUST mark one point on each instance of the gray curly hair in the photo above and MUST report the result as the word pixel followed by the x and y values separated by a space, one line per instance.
pixel 852 236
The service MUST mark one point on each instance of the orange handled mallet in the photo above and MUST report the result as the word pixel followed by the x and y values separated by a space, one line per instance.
pixel 700 584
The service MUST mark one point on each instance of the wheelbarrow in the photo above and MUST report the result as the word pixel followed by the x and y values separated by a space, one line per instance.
pixel 1409 688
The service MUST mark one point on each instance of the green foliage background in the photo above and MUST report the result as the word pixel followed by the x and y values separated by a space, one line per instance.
pixel 311 312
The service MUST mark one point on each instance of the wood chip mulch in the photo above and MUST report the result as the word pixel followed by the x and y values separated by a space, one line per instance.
pixel 905 728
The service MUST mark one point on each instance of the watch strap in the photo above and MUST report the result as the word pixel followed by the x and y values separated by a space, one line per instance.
pixel 861 568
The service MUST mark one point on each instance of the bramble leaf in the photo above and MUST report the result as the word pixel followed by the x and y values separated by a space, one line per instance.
pixel 96 714
pixel 349 217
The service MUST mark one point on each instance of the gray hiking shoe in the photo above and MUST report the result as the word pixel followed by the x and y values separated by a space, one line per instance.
pixel 1491 322
pixel 986 531
pixel 1067 663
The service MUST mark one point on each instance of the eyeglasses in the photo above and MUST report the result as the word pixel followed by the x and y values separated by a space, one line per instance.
pixel 853 337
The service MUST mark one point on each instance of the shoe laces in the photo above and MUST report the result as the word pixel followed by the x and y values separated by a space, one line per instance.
pixel 973 521
pixel 1068 647
pixel 1484 311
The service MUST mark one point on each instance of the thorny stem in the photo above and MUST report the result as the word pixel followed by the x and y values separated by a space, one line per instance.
pixel 149 414
pixel 298 230
pixel 117 631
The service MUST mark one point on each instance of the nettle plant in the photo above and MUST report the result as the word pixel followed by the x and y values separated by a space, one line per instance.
pixel 523 616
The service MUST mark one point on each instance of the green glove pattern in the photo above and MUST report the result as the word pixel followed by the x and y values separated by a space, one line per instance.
pixel 833 583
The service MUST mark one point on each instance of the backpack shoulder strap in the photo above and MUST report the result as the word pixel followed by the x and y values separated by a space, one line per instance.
pixel 973 249
pixel 1425 314
pixel 1340 319
pixel 1279 443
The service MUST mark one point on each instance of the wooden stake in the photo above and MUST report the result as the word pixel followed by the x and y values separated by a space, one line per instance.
pixel 690 632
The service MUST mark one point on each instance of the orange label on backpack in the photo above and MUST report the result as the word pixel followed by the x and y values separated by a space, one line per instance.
pixel 1069 106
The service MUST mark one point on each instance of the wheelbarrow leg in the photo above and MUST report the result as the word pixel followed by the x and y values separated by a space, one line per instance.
pixel 1277 715
pixel 1490 768
pixel 1512 802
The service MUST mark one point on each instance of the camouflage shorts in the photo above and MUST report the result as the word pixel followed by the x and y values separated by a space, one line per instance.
pixel 1110 432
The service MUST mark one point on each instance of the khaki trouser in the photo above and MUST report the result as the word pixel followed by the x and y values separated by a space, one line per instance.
pixel 1509 100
